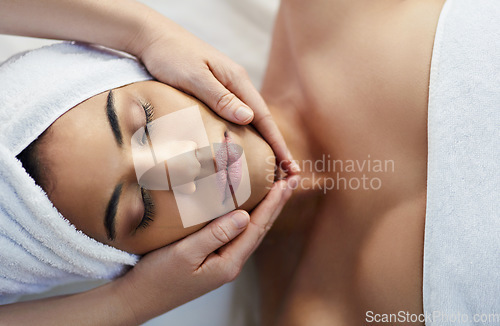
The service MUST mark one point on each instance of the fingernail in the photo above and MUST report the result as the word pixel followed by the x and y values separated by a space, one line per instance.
pixel 240 220
pixel 243 114
pixel 293 183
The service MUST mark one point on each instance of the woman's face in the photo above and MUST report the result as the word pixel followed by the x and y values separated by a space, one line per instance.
pixel 93 175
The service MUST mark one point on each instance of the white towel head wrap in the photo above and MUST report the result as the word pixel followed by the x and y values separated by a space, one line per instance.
pixel 39 247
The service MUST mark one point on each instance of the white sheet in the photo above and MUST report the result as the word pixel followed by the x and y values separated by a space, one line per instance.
pixel 242 30
pixel 461 282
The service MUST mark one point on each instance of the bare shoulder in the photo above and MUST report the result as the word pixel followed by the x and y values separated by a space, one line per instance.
pixel 390 43
pixel 376 41
pixel 403 39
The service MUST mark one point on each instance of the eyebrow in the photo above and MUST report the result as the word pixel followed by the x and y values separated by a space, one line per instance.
pixel 109 218
pixel 113 118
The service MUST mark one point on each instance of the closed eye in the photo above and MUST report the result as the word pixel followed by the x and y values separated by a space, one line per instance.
pixel 149 110
pixel 149 209
pixel 149 113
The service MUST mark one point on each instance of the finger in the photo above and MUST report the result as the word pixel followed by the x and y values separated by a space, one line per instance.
pixel 261 222
pixel 292 184
pixel 220 99
pixel 213 236
pixel 237 81
pixel 225 264
pixel 256 224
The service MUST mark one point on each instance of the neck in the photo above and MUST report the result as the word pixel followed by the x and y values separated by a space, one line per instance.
pixel 301 143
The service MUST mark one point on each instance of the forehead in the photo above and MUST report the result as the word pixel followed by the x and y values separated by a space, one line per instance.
pixel 83 159
pixel 81 142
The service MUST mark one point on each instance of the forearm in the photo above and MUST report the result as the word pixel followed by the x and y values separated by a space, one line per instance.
pixel 124 25
pixel 101 306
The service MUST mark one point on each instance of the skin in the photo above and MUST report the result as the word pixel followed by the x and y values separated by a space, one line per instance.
pixel 85 169
pixel 359 89
pixel 170 53
pixel 178 58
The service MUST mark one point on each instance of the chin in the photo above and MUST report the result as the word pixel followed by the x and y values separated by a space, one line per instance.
pixel 261 176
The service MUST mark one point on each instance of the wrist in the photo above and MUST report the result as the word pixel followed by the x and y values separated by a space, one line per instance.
pixel 139 296
pixel 132 299
pixel 121 298
pixel 149 28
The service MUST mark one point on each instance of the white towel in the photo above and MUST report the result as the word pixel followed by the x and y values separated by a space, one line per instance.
pixel 39 248
pixel 461 284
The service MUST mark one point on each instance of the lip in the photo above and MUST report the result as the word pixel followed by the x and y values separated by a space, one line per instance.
pixel 228 161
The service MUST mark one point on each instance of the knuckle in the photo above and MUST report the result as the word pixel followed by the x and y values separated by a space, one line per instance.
pixel 264 228
pixel 225 102
pixel 220 234
pixel 262 117
pixel 240 71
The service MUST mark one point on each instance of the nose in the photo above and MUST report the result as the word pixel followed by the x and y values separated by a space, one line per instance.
pixel 182 164
pixel 168 165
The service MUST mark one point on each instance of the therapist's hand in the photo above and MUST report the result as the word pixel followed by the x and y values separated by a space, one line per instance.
pixel 171 54
pixel 180 59
pixel 201 262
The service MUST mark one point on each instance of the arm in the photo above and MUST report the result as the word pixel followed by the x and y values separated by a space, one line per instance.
pixel 171 54
pixel 99 306
pixel 103 22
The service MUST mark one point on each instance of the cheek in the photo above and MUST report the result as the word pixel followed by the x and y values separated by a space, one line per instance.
pixel 166 213
pixel 166 226
pixel 261 165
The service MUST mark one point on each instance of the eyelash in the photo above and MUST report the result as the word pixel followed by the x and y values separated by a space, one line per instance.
pixel 149 209
pixel 149 110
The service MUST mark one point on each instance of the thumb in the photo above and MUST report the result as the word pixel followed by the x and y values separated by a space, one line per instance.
pixel 221 99
pixel 215 235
